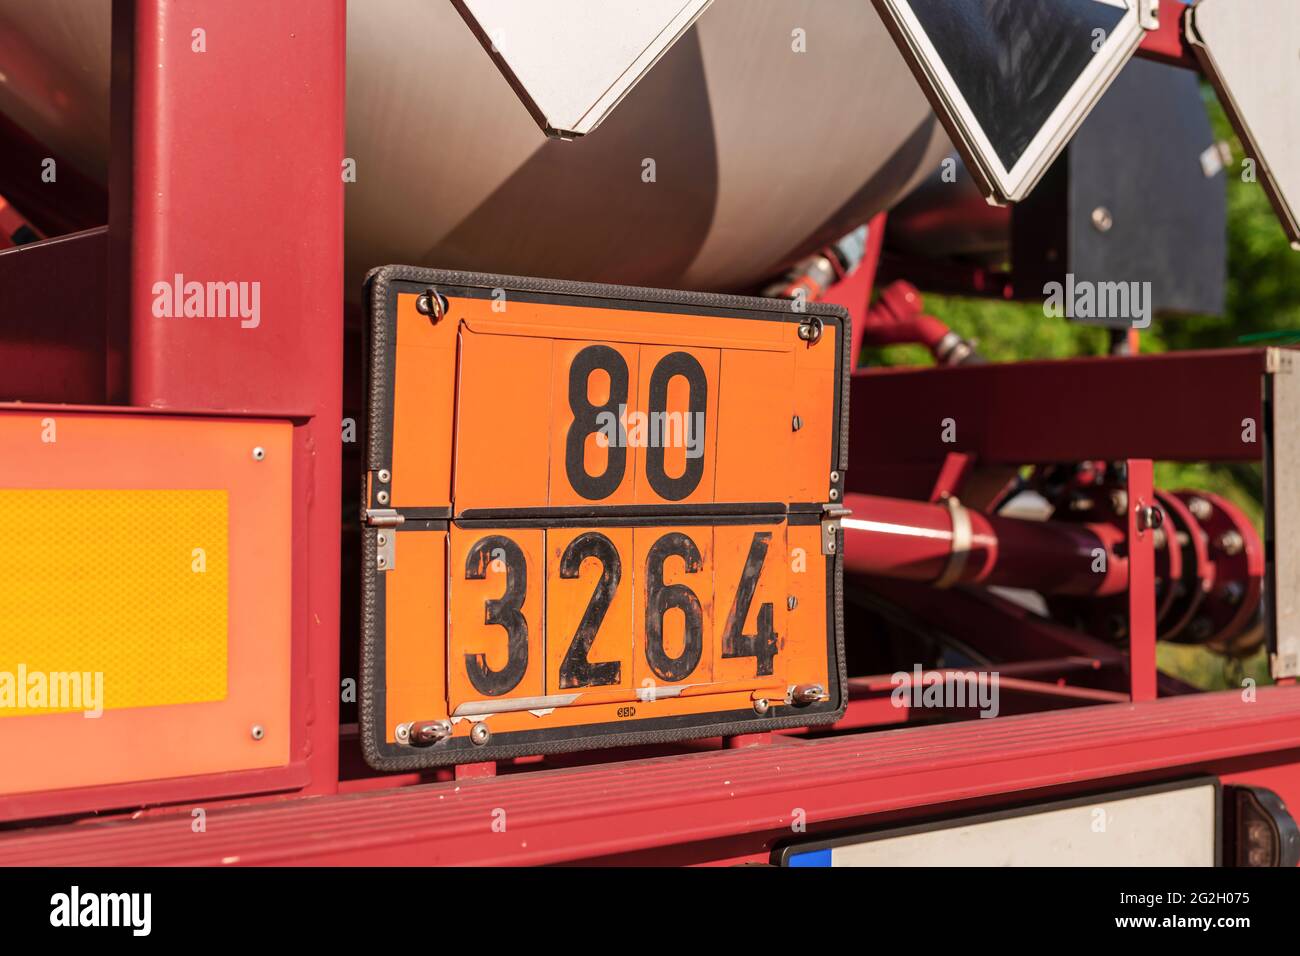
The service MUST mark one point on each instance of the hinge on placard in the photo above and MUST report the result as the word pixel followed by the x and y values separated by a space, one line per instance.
pixel 385 520
pixel 385 549
pixel 831 516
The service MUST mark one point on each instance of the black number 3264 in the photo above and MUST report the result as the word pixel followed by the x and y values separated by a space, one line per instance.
pixel 577 669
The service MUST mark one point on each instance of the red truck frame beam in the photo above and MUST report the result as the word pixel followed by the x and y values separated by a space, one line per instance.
pixel 227 167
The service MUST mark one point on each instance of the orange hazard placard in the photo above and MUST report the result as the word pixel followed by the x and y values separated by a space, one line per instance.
pixel 596 516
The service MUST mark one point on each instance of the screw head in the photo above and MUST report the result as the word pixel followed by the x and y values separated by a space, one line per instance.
pixel 381 538
pixel 1200 508
pixel 258 731
pixel 432 303
pixel 811 331
pixel 384 476
pixel 796 423
pixel 1102 220
pixel 791 602
pixel 382 497
pixel 1149 517
pixel 259 453
pixel 762 706
pixel 381 562
pixel 1231 543
pixel 835 494
pixel 402 732
pixel 480 734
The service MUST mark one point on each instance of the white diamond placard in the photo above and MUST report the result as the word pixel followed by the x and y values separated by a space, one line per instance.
pixel 572 61
pixel 1251 53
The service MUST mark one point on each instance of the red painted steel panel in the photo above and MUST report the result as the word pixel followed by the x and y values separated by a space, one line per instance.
pixel 1168 43
pixel 73 202
pixel 552 816
pixel 52 295
pixel 1151 406
pixel 238 178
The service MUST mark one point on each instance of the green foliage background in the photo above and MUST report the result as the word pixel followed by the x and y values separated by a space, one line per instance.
pixel 1263 299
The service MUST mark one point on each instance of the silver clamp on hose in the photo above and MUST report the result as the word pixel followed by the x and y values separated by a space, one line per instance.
pixel 952 349
pixel 962 539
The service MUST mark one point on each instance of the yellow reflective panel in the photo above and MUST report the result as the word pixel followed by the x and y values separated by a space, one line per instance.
pixel 128 584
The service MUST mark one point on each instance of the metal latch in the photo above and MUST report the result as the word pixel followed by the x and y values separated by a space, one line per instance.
pixel 831 516
pixel 386 520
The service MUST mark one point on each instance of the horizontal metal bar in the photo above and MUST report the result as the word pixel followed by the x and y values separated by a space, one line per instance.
pixel 1181 406
pixel 583 813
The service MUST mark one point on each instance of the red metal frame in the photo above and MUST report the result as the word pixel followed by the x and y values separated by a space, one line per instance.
pixel 1141 582
pixel 252 193
pixel 1168 42
pixel 722 806
pixel 1105 408
pixel 70 204
pixel 229 170
pixel 52 299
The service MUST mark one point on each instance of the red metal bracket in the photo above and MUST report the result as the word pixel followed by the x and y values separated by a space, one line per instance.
pixel 1167 43
pixel 1141 579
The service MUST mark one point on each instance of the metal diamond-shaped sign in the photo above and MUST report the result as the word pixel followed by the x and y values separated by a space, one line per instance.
pixel 1012 80
pixel 1251 53
pixel 572 61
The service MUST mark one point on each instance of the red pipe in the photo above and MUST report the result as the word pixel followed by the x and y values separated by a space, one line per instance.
pixel 913 541
pixel 898 318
